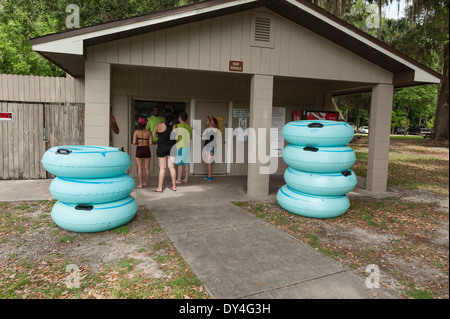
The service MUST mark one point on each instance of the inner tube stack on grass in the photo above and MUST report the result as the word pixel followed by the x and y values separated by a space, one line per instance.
pixel 318 176
pixel 91 186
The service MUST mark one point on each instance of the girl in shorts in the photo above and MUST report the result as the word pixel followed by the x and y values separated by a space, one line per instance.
pixel 210 144
pixel 166 150
pixel 142 138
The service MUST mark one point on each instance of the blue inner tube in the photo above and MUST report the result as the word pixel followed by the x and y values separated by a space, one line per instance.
pixel 80 161
pixel 318 133
pixel 91 191
pixel 325 184
pixel 311 205
pixel 94 218
pixel 319 159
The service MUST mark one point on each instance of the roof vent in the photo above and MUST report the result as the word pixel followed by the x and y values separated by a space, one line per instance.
pixel 262 30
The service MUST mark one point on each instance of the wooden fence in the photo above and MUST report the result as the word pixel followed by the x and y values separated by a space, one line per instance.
pixel 46 112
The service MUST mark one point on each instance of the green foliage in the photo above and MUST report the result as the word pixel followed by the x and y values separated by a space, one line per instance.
pixel 416 103
pixel 21 20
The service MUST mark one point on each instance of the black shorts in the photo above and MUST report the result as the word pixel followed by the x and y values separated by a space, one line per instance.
pixel 143 152
pixel 164 150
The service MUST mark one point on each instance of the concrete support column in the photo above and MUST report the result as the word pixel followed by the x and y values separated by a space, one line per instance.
pixel 97 103
pixel 379 137
pixel 261 102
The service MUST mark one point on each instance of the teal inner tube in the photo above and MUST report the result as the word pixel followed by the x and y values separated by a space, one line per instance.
pixel 325 184
pixel 318 133
pixel 86 218
pixel 311 205
pixel 91 191
pixel 319 159
pixel 81 161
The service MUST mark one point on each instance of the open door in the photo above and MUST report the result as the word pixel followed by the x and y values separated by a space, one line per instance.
pixel 219 110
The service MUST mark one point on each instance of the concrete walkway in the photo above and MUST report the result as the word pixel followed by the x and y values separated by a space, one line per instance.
pixel 235 254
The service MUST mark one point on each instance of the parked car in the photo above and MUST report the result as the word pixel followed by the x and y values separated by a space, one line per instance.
pixel 363 130
pixel 421 130
pixel 400 131
pixel 353 126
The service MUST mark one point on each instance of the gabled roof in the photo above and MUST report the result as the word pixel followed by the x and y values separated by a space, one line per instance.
pixel 67 49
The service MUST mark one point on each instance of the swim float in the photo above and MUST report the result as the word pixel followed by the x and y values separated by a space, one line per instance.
pixel 319 159
pixel 81 161
pixel 326 184
pixel 94 218
pixel 312 205
pixel 318 133
pixel 91 191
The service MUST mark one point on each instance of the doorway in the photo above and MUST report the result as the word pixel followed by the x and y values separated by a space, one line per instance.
pixel 144 108
pixel 220 110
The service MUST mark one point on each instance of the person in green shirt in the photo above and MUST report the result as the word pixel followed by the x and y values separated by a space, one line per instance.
pixel 184 133
pixel 154 120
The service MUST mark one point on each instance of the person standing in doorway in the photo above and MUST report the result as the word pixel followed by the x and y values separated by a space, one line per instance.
pixel 166 150
pixel 184 133
pixel 153 121
pixel 142 138
pixel 210 144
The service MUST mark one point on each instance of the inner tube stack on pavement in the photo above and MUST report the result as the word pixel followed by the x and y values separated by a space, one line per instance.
pixel 91 186
pixel 318 176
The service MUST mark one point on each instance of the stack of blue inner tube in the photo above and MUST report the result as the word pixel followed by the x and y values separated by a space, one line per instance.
pixel 318 176
pixel 92 187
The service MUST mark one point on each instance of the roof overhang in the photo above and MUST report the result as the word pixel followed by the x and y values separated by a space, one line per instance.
pixel 67 49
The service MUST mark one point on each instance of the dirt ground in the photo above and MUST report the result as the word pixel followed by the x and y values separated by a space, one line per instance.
pixel 136 260
pixel 406 234
pixel 408 240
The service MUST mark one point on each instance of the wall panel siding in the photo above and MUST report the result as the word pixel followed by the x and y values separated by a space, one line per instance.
pixel 210 44
pixel 148 49
pixel 136 50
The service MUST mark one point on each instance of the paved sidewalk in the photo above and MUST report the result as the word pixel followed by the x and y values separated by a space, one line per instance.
pixel 235 254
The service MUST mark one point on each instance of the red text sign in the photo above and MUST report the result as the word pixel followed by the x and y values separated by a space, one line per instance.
pixel 5 116
pixel 236 66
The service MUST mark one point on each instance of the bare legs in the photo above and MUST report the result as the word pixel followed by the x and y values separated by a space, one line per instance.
pixel 147 171
pixel 166 162
pixel 180 173
pixel 140 164
pixel 143 164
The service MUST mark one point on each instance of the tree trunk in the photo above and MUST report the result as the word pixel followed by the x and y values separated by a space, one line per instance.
pixel 380 5
pixel 441 119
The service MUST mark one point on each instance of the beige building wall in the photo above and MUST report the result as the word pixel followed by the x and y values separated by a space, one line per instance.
pixel 379 137
pixel 261 101
pixel 191 62
pixel 97 103
pixel 209 45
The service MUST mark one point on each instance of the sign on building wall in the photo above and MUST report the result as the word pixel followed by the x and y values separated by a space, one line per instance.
pixel 5 116
pixel 219 124
pixel 241 113
pixel 278 122
pixel 242 135
pixel 236 66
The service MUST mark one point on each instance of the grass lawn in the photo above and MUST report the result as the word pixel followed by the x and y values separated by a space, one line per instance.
pixel 406 236
pixel 415 163
pixel 39 260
